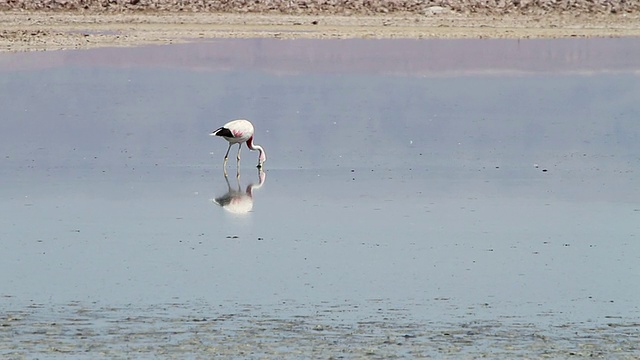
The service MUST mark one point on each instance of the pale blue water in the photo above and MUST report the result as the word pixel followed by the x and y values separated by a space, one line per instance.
pixel 455 192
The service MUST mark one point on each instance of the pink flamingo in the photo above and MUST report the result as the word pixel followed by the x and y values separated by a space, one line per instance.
pixel 238 132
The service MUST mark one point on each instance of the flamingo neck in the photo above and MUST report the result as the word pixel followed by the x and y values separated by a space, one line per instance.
pixel 252 146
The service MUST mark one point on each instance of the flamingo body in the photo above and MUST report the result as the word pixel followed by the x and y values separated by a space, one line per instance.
pixel 239 132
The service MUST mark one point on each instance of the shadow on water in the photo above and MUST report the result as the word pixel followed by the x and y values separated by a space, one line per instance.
pixel 436 194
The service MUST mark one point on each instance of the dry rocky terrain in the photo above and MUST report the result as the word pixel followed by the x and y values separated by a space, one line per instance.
pixel 72 24
pixel 315 7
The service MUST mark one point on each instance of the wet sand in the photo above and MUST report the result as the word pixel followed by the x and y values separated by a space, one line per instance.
pixel 42 30
pixel 291 330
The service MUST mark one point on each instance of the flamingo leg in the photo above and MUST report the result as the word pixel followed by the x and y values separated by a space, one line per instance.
pixel 227 179
pixel 239 148
pixel 224 164
pixel 226 156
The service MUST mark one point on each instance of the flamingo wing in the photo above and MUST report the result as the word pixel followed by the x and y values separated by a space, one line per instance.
pixel 224 132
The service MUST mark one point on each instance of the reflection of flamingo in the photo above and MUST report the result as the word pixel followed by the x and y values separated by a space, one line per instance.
pixel 238 132
pixel 237 201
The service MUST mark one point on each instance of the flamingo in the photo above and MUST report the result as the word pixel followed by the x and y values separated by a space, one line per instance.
pixel 238 132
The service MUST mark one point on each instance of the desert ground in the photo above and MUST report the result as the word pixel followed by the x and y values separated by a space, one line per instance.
pixel 45 27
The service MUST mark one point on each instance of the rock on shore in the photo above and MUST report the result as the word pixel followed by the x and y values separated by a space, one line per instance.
pixel 427 7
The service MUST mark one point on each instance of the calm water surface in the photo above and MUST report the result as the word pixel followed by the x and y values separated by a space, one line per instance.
pixel 417 181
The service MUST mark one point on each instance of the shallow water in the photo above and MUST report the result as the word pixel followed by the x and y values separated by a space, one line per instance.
pixel 453 196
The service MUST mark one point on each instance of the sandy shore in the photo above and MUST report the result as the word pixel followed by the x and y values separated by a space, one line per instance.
pixel 84 331
pixel 27 30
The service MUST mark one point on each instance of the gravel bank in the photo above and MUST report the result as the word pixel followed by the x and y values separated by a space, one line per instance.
pixel 315 7
pixel 29 25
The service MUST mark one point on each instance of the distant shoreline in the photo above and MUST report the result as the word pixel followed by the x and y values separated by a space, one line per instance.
pixel 40 30
pixel 337 7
